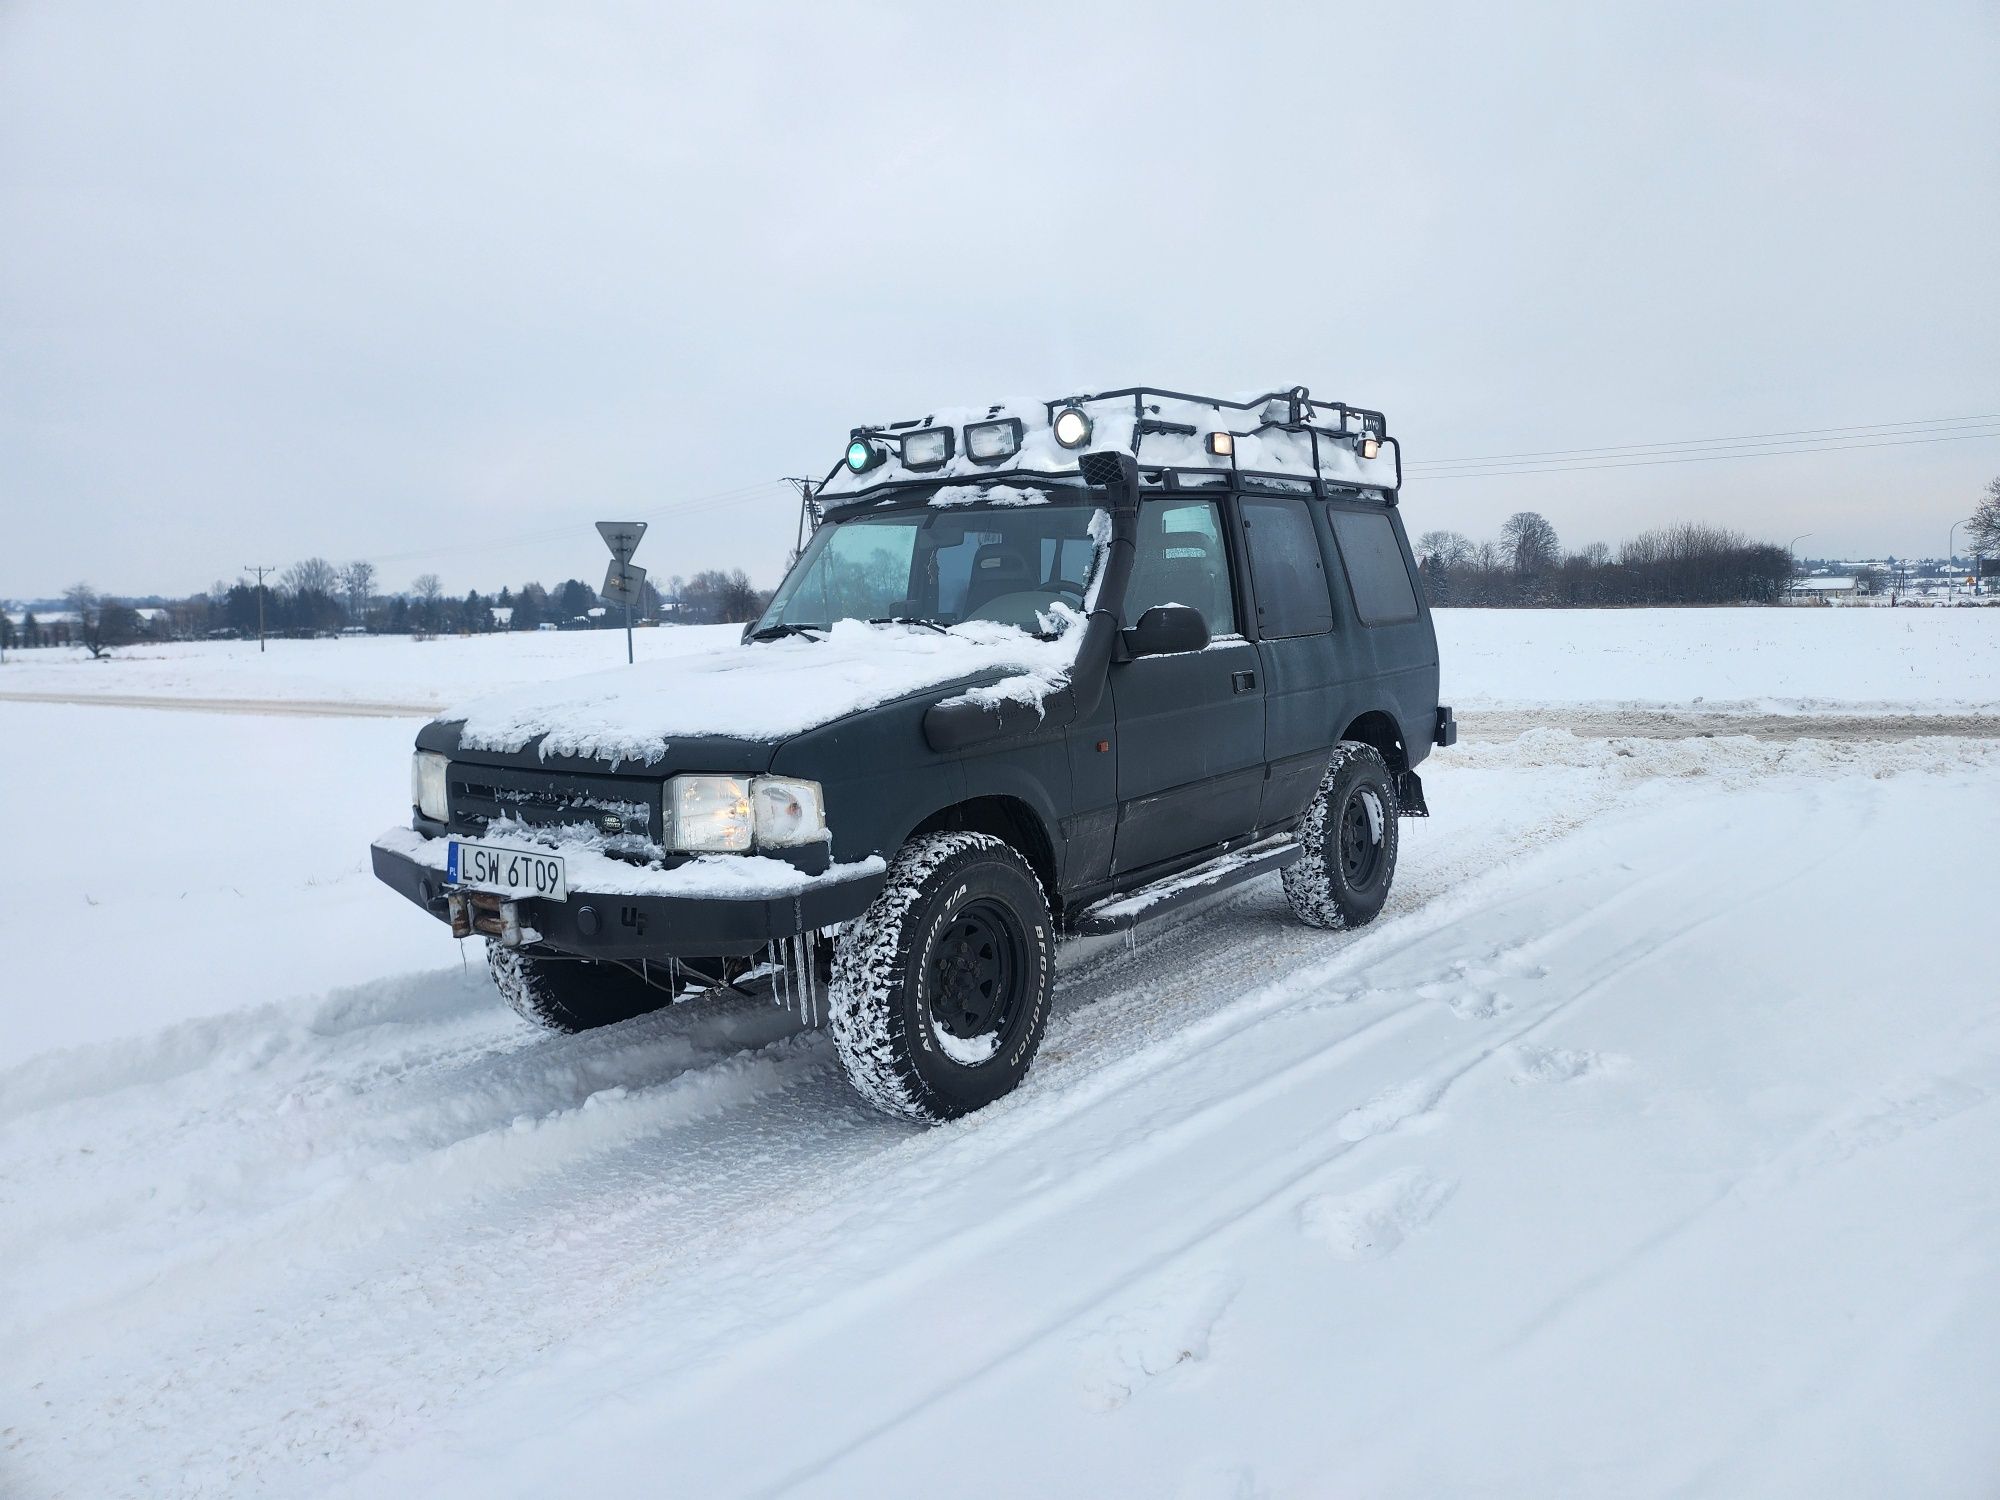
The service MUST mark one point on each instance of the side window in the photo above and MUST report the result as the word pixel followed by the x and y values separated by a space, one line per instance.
pixel 1383 593
pixel 1286 567
pixel 1181 560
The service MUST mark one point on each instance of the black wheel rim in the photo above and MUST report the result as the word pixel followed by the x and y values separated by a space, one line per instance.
pixel 977 970
pixel 1360 849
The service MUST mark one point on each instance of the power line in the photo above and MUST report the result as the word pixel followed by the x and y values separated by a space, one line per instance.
pixel 1801 433
pixel 1700 458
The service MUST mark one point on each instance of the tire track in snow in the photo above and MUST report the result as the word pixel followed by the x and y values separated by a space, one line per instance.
pixel 510 1270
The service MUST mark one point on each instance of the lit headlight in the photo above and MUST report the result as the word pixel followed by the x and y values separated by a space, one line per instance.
pixel 729 814
pixel 787 812
pixel 707 813
pixel 1072 427
pixel 427 793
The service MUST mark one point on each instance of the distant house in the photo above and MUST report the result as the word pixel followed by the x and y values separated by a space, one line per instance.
pixel 503 616
pixel 1824 590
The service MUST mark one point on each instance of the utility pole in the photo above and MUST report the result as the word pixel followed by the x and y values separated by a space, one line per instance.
pixel 260 572
pixel 808 512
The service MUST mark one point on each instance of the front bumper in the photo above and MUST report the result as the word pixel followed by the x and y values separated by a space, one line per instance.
pixel 640 923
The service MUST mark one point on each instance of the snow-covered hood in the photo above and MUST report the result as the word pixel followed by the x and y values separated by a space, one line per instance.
pixel 767 690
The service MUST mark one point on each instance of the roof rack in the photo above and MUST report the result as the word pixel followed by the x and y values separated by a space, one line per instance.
pixel 1281 436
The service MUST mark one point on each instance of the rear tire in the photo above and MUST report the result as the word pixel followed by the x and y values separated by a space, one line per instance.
pixel 1349 836
pixel 940 990
pixel 569 994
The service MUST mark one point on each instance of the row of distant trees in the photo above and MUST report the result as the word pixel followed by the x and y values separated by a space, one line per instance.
pixel 1688 563
pixel 314 597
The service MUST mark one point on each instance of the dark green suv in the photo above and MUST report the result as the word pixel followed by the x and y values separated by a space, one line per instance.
pixel 1038 671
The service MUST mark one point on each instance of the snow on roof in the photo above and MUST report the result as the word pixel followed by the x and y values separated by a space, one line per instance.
pixel 1113 428
pixel 1824 585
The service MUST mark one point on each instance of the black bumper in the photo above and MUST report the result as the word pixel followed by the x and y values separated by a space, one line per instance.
pixel 626 926
pixel 1446 732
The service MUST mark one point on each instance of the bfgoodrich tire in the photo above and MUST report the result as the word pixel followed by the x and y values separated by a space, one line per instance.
pixel 941 988
pixel 1349 835
pixel 569 994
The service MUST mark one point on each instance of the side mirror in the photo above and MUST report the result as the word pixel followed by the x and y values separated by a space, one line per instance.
pixel 1167 630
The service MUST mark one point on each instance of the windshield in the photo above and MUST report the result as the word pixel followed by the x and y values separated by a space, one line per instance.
pixel 1008 564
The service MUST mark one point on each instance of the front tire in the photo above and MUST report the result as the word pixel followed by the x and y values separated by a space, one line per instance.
pixel 1349 835
pixel 940 990
pixel 569 994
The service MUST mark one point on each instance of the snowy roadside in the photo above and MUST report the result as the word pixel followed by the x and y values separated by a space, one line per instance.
pixel 1767 662
pixel 1537 1151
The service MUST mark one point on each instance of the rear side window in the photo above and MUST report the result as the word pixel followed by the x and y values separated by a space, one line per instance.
pixel 1383 594
pixel 1285 565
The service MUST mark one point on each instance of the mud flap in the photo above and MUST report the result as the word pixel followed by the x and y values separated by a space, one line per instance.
pixel 1410 796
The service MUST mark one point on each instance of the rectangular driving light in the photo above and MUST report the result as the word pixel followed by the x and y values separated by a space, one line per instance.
pixel 993 442
pixel 1222 444
pixel 928 449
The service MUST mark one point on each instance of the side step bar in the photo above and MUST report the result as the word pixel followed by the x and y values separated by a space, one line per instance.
pixel 1121 913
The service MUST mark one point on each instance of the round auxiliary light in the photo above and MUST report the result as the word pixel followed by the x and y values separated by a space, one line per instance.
pixel 1072 427
pixel 861 455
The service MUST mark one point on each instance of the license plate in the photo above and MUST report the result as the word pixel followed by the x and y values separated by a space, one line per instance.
pixel 510 872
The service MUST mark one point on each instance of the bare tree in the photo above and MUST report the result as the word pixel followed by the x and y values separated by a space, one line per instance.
pixel 1444 549
pixel 718 597
pixel 100 623
pixel 357 581
pixel 1530 542
pixel 427 588
pixel 1984 523
pixel 315 575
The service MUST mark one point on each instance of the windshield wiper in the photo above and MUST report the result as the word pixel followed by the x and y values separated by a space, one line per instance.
pixel 782 629
pixel 909 620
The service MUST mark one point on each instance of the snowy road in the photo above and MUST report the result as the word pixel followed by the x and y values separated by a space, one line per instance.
pixel 1643 1147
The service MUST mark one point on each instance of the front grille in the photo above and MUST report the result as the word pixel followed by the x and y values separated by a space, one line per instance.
pixel 623 811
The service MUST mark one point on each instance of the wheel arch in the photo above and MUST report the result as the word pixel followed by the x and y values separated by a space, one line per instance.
pixel 1004 817
pixel 1380 730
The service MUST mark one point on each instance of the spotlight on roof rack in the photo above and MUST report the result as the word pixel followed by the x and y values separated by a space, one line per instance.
pixel 991 442
pixel 1222 444
pixel 1368 446
pixel 927 449
pixel 863 455
pixel 1072 427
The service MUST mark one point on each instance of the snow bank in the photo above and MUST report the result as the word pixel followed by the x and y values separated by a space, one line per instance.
pixel 764 690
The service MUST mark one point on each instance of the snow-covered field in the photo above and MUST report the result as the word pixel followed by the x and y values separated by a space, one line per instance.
pixel 1722 660
pixel 1643 1147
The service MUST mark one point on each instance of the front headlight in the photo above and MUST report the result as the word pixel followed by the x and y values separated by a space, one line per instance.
pixel 787 812
pixel 710 814
pixel 427 791
pixel 707 813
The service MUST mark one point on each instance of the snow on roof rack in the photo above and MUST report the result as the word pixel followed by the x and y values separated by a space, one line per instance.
pixel 1281 434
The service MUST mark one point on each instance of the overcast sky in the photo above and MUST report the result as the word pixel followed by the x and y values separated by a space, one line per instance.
pixel 438 285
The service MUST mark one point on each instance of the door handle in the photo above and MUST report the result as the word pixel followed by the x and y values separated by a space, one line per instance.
pixel 1243 682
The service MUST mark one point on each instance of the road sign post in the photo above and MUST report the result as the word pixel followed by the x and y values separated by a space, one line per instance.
pixel 622 581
